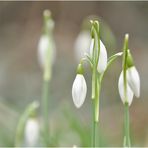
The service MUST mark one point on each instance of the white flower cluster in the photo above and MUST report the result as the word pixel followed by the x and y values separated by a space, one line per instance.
pixel 79 88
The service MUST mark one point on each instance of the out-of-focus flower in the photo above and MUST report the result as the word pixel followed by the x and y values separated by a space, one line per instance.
pixel 79 90
pixel 43 47
pixel 32 132
pixel 82 44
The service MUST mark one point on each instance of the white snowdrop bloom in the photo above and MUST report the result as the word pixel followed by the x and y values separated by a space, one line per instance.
pixel 121 90
pixel 42 50
pixel 134 80
pixel 82 44
pixel 32 132
pixel 92 46
pixel 79 90
pixel 102 63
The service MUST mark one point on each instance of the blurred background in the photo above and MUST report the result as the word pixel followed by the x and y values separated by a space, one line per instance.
pixel 21 75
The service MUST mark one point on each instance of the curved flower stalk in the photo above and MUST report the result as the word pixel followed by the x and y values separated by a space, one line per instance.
pixel 32 132
pixel 128 85
pixel 97 58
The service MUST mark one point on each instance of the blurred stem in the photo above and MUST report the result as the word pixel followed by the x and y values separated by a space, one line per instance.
pixel 127 142
pixel 45 110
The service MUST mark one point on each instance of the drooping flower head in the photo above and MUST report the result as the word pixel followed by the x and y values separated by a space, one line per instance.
pixel 130 76
pixel 102 61
pixel 32 132
pixel 79 88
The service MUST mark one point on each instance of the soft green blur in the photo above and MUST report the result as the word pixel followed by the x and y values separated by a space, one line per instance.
pixel 21 75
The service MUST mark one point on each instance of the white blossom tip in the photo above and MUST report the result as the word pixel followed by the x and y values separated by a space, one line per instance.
pixel 133 79
pixel 32 132
pixel 79 90
pixel 129 92
pixel 102 63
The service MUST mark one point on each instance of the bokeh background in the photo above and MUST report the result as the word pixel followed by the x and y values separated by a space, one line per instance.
pixel 21 76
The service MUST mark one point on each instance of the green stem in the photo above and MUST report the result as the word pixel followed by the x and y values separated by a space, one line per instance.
pixel 95 83
pixel 93 124
pixel 127 142
pixel 95 106
pixel 94 128
pixel 45 111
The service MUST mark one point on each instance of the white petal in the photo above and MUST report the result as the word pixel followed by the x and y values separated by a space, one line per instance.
pixel 79 90
pixel 91 47
pixel 134 80
pixel 121 90
pixel 42 50
pixel 82 44
pixel 32 132
pixel 102 63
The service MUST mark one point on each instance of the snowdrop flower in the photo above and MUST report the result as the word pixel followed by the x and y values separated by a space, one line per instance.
pixel 133 84
pixel 102 62
pixel 42 50
pixel 129 92
pixel 32 132
pixel 133 80
pixel 79 88
pixel 82 44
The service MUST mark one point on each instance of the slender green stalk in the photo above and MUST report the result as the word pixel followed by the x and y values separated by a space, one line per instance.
pixel 94 128
pixel 93 125
pixel 95 84
pixel 127 142
pixel 95 106
pixel 45 110
pixel 126 105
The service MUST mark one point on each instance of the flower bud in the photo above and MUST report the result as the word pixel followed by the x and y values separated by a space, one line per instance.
pixel 79 90
pixel 32 132
pixel 43 46
pixel 102 62
pixel 133 80
pixel 129 92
